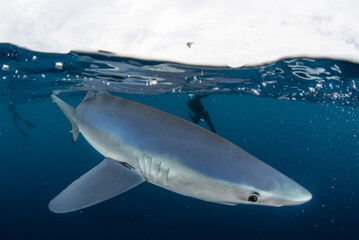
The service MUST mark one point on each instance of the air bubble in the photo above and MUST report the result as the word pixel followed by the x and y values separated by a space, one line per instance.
pixel 311 89
pixel 59 65
pixel 255 91
pixel 5 67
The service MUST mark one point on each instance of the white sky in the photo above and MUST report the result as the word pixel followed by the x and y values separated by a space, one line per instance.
pixel 225 32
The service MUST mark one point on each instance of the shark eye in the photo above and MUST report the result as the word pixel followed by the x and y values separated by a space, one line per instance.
pixel 254 197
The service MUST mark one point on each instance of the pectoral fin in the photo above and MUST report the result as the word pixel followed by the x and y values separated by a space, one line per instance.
pixel 106 180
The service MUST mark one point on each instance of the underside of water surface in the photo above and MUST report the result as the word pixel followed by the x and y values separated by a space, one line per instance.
pixel 34 74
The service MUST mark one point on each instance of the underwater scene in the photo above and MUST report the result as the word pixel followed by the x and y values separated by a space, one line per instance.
pixel 298 115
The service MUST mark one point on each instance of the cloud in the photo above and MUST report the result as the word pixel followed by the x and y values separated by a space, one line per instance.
pixel 231 32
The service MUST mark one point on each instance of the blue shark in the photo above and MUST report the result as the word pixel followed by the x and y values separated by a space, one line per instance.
pixel 144 144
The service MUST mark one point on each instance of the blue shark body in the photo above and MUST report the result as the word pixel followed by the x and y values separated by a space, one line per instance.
pixel 144 144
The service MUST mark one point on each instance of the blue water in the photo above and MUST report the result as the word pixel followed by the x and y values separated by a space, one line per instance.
pixel 298 115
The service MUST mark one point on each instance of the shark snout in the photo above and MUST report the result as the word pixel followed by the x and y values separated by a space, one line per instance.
pixel 298 196
pixel 283 191
pixel 294 194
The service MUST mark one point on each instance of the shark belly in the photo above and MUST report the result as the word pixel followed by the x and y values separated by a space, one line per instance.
pixel 169 174
pixel 160 169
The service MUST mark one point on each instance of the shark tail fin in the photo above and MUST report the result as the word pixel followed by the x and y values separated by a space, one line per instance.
pixel 69 113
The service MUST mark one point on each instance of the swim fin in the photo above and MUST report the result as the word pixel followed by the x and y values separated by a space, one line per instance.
pixel 106 180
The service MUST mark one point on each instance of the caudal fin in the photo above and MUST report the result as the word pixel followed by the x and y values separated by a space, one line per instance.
pixel 69 112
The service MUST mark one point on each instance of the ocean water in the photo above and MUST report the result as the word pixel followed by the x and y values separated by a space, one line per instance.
pixel 299 115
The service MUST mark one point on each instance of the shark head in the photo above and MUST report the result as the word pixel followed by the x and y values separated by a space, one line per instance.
pixel 264 185
pixel 280 191
pixel 240 178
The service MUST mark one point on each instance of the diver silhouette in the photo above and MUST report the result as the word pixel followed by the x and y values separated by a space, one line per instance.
pixel 16 116
pixel 194 103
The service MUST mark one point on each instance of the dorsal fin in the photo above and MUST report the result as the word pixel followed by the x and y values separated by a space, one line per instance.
pixel 89 95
